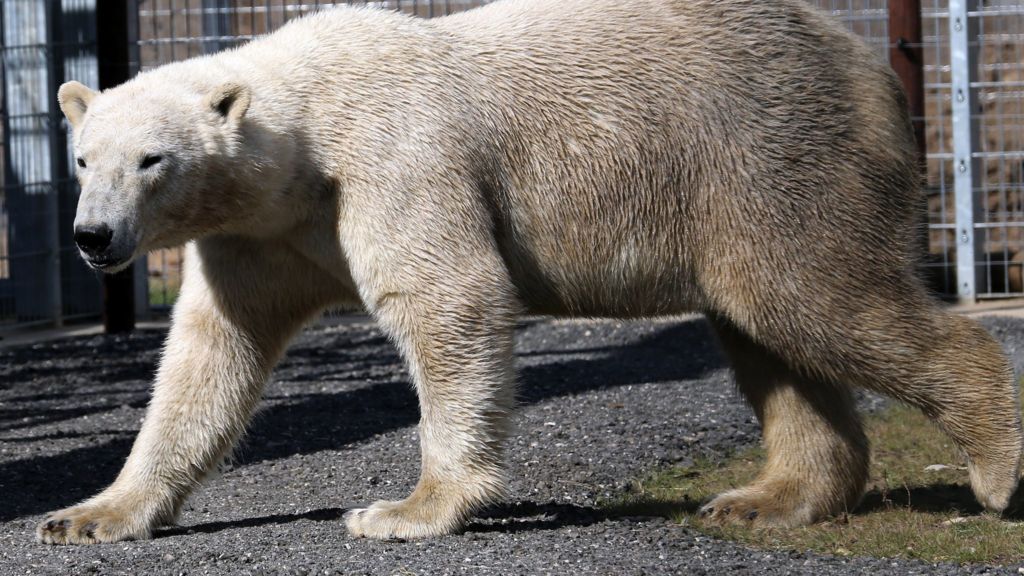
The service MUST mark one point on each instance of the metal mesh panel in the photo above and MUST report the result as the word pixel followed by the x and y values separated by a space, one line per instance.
pixel 1000 154
pixel 940 265
pixel 28 188
pixel 999 119
pixel 868 19
pixel 42 278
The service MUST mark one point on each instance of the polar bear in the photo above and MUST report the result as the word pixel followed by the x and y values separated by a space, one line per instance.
pixel 747 159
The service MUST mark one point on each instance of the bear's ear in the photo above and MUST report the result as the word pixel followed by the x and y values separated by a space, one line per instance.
pixel 229 100
pixel 74 99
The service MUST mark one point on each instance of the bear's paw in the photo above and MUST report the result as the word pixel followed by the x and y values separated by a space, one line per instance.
pixel 766 505
pixel 91 524
pixel 407 519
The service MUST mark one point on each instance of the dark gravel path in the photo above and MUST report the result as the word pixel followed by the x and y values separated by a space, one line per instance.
pixel 603 402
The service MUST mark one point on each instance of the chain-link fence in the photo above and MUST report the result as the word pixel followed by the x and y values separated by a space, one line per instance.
pixel 972 53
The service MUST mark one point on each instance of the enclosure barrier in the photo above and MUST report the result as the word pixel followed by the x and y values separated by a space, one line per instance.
pixel 962 62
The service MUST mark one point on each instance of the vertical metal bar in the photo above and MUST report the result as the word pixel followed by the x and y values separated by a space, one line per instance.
pixel 188 29
pixel 173 34
pixel 158 58
pixel 6 290
pixel 54 72
pixel 114 55
pixel 134 51
pixel 216 24
pixel 964 69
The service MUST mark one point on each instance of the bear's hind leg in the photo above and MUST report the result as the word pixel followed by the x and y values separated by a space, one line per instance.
pixel 958 375
pixel 885 334
pixel 817 454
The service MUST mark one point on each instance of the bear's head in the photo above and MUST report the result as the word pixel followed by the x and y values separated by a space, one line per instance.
pixel 156 168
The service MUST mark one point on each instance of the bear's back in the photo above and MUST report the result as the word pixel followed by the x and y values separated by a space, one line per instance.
pixel 687 128
pixel 684 128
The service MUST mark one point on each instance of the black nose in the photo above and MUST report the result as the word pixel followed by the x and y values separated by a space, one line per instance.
pixel 93 238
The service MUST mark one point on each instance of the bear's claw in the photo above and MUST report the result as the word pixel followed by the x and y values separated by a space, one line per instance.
pixel 761 507
pixel 90 524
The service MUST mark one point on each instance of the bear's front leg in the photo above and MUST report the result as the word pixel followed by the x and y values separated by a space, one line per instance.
pixel 230 326
pixel 458 345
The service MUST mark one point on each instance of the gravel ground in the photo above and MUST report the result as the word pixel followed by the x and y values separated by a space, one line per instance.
pixel 603 402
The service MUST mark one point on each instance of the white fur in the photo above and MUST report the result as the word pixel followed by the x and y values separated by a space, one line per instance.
pixel 581 157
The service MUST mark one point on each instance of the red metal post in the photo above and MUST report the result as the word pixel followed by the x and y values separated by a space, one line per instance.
pixel 906 55
pixel 907 58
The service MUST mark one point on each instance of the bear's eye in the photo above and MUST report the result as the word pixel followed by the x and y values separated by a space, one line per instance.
pixel 149 161
pixel 81 162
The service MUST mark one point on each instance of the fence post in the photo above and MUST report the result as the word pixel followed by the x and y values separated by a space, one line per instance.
pixel 963 39
pixel 216 24
pixel 907 59
pixel 114 56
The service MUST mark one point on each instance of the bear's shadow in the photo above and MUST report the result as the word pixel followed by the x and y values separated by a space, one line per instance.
pixel 525 516
pixel 931 498
pixel 307 423
pixel 508 518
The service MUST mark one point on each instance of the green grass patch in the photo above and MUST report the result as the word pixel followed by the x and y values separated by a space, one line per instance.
pixel 162 293
pixel 908 511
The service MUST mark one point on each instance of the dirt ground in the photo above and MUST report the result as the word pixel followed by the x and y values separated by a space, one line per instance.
pixel 603 403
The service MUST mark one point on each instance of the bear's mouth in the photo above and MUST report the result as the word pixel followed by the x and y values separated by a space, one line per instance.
pixel 107 265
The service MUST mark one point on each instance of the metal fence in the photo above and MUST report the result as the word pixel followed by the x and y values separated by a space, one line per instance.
pixel 973 63
pixel 987 88
pixel 41 277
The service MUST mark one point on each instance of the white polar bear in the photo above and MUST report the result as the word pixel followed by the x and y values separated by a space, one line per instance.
pixel 627 158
